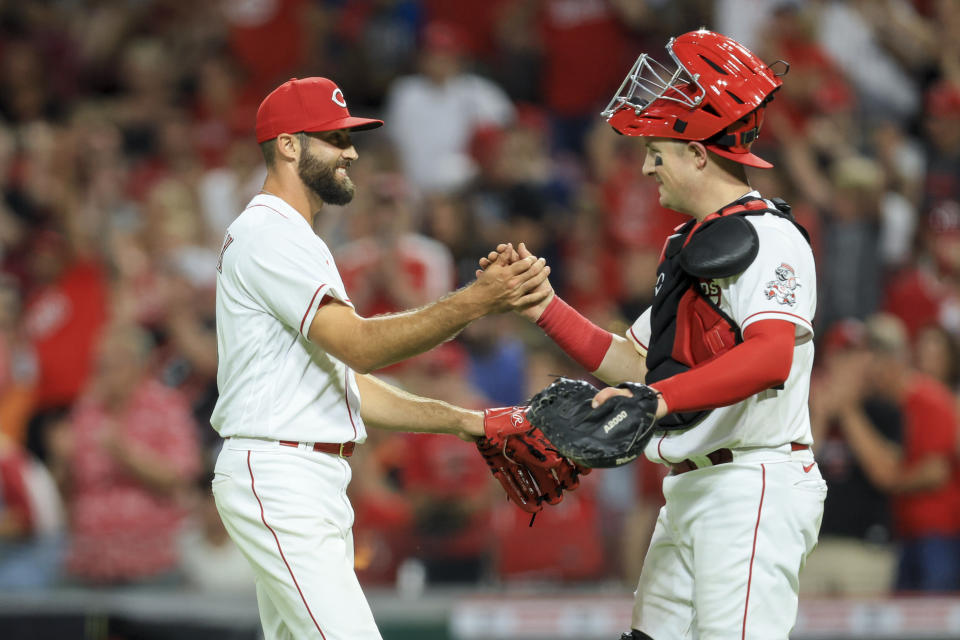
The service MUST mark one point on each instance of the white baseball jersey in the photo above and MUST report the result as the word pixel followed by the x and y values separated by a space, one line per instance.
pixel 779 284
pixel 274 273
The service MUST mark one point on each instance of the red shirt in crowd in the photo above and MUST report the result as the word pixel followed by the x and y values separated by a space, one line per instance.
pixel 63 320
pixel 918 298
pixel 586 50
pixel 121 530
pixel 421 266
pixel 446 469
pixel 930 422
pixel 267 39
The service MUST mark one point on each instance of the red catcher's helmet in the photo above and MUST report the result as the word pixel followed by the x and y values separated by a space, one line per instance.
pixel 716 94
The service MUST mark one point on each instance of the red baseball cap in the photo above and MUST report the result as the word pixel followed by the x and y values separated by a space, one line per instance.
pixel 306 104
pixel 943 100
pixel 847 333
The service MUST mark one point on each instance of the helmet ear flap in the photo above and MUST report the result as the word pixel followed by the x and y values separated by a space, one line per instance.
pixel 741 134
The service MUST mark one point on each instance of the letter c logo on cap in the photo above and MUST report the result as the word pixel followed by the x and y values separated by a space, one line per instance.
pixel 337 98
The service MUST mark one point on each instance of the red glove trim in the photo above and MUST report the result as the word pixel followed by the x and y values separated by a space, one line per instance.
pixel 583 341
pixel 761 361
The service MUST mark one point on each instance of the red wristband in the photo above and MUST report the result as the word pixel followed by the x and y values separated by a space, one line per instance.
pixel 583 341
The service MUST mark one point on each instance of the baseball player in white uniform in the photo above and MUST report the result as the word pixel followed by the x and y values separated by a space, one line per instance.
pixel 727 346
pixel 296 396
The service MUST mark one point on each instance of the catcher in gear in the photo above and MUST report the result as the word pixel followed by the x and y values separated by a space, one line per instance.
pixel 725 364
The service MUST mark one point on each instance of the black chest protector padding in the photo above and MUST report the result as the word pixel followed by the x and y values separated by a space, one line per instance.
pixel 721 248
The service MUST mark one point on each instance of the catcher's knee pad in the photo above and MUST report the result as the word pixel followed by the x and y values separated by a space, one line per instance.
pixel 635 635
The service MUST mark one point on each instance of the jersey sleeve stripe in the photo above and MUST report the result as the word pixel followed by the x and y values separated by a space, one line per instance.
pixel 268 207
pixel 769 315
pixel 637 340
pixel 310 306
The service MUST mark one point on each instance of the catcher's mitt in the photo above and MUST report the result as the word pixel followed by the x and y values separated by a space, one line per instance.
pixel 611 435
pixel 523 461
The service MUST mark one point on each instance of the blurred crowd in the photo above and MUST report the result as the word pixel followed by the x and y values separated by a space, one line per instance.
pixel 126 148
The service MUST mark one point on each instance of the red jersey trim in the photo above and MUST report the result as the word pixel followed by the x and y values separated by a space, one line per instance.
pixel 346 397
pixel 753 553
pixel 279 548
pixel 659 452
pixel 803 321
pixel 309 307
pixel 268 207
pixel 637 340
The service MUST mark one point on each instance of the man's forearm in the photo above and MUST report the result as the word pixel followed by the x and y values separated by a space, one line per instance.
pixel 152 472
pixel 390 338
pixel 878 457
pixel 622 363
pixel 368 344
pixel 384 406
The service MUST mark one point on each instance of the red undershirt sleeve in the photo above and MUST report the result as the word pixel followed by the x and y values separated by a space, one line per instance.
pixel 761 361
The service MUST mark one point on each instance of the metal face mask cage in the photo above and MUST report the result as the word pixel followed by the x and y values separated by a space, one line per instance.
pixel 649 80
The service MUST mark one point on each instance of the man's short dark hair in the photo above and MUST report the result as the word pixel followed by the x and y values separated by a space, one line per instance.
pixel 269 148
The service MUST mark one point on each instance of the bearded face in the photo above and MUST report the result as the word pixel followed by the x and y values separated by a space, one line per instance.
pixel 330 183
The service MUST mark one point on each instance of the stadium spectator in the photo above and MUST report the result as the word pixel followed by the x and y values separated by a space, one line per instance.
pixel 449 492
pixel 855 554
pixel 31 521
pixel 853 270
pixel 585 42
pixel 921 474
pixel 928 292
pixel 18 367
pixel 389 266
pixel 434 113
pixel 130 455
pixel 65 312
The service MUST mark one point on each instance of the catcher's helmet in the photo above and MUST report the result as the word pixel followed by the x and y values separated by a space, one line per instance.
pixel 716 94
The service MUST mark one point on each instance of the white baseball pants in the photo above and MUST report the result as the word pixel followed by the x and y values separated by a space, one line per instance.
pixel 728 547
pixel 287 510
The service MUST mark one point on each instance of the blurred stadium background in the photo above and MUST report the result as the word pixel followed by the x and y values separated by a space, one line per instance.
pixel 126 147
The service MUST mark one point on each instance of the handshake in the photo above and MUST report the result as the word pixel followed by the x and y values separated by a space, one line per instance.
pixel 512 279
pixel 539 451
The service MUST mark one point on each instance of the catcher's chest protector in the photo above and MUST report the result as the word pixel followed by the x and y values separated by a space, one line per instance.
pixel 688 328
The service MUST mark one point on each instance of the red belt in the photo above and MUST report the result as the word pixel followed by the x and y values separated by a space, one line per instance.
pixel 720 456
pixel 344 450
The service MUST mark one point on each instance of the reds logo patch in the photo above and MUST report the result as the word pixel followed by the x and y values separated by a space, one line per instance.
pixel 337 97
pixel 783 286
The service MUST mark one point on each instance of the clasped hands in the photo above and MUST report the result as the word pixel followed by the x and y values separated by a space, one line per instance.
pixel 539 298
